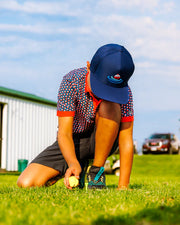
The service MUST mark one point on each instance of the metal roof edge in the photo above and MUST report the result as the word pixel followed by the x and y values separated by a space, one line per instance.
pixel 27 96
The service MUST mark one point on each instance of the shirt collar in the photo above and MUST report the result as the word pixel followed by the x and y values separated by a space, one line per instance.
pixel 96 100
pixel 87 88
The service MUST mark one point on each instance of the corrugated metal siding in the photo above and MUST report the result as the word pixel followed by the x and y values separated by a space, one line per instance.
pixel 31 127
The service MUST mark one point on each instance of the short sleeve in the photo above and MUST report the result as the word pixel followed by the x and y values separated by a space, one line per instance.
pixel 66 98
pixel 127 111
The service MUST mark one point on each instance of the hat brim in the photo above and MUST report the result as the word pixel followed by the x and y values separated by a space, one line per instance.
pixel 109 93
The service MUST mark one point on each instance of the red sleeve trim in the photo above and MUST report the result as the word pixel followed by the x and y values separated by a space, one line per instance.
pixel 65 113
pixel 127 119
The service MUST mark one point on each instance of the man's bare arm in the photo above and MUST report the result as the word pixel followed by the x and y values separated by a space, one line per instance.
pixel 126 153
pixel 66 144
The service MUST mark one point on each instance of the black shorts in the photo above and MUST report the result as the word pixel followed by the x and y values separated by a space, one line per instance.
pixel 84 147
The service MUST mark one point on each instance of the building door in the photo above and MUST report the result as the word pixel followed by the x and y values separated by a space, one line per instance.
pixel 1 122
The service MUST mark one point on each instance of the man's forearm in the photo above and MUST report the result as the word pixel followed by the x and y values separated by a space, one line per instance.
pixel 66 145
pixel 126 153
pixel 126 160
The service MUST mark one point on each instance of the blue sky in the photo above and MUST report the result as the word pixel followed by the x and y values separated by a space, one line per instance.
pixel 40 41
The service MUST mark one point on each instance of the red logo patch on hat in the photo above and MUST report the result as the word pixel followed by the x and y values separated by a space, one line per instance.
pixel 115 79
pixel 117 76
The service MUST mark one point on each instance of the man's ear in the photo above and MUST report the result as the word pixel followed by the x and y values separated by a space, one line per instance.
pixel 88 66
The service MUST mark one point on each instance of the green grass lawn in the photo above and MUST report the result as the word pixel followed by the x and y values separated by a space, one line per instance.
pixel 155 198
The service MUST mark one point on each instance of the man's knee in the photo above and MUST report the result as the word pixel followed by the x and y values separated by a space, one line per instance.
pixel 25 182
pixel 36 175
pixel 110 110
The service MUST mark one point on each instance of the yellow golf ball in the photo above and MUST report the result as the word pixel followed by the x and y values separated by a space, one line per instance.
pixel 73 181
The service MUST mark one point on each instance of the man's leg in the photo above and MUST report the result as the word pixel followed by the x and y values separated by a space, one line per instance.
pixel 107 128
pixel 47 168
pixel 37 175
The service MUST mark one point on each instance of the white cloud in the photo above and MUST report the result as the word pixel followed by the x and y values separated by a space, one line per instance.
pixel 15 47
pixel 146 37
pixel 43 29
pixel 7 39
pixel 148 4
pixel 49 8
pixel 74 8
pixel 153 6
pixel 156 86
pixel 155 90
pixel 166 72
pixel 166 8
pixel 38 29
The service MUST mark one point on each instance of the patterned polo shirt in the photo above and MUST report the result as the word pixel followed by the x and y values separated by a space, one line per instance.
pixel 75 99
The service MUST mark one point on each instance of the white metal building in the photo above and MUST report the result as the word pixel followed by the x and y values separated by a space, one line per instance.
pixel 28 124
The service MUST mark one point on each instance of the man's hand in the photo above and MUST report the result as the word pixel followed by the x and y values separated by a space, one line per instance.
pixel 124 188
pixel 73 170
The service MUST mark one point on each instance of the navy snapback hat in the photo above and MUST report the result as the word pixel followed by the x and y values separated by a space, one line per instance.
pixel 110 69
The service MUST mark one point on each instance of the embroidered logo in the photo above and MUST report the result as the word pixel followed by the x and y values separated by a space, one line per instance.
pixel 116 79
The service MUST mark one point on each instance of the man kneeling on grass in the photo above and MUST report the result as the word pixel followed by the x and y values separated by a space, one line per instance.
pixel 95 113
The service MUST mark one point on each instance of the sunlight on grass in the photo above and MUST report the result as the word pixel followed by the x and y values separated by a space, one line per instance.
pixel 154 199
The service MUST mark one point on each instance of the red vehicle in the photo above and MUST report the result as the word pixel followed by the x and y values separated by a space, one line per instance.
pixel 161 142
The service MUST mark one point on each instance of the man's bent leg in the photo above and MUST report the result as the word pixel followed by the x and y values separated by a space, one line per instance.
pixel 49 166
pixel 37 175
pixel 107 128
pixel 45 169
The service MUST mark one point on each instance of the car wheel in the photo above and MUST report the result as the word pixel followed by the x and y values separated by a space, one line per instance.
pixel 179 151
pixel 117 172
pixel 170 150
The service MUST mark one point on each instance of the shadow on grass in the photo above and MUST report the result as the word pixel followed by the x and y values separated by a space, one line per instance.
pixel 10 173
pixel 163 215
pixel 111 186
pixel 134 186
